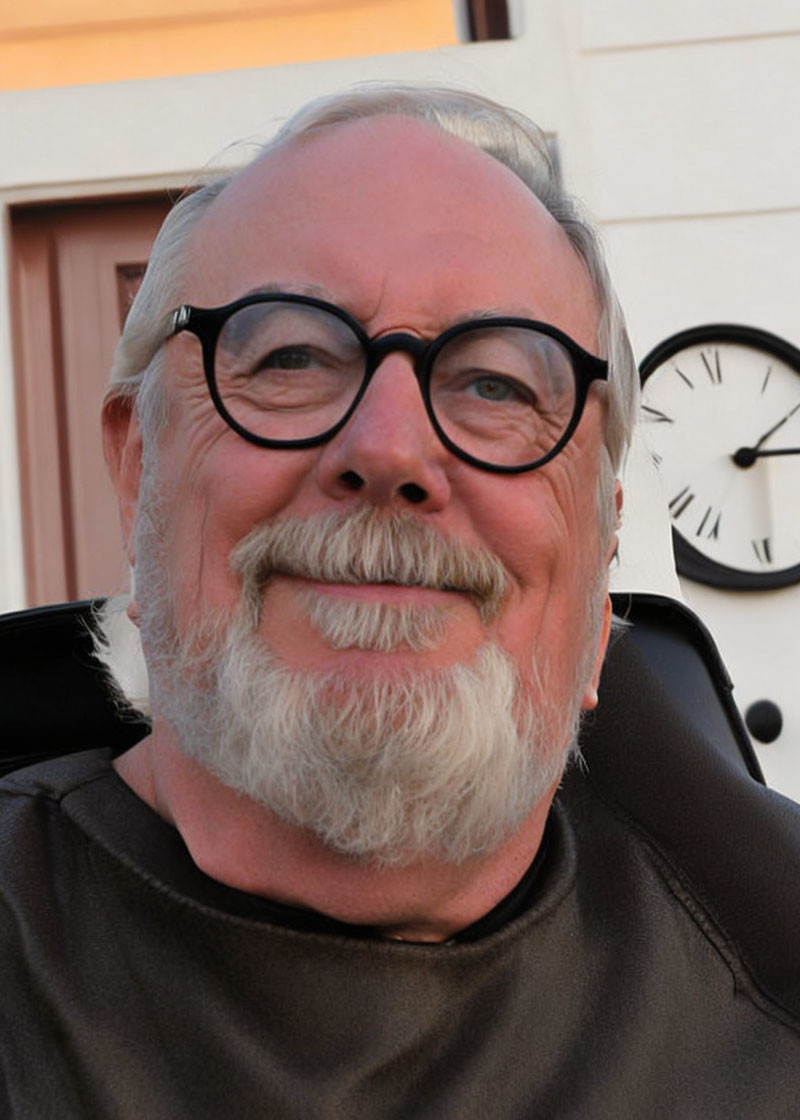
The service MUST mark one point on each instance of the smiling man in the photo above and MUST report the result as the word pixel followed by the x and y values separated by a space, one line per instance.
pixel 364 424
pixel 399 655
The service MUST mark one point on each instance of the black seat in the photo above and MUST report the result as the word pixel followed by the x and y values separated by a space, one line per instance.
pixel 53 696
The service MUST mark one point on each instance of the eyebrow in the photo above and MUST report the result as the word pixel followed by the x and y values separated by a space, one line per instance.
pixel 313 290
pixel 513 311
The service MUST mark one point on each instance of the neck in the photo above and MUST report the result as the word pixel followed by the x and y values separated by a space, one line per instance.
pixel 244 845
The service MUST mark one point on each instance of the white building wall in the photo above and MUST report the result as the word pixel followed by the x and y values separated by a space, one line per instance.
pixel 692 164
pixel 676 124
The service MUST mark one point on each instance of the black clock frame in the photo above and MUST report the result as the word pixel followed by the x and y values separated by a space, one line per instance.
pixel 689 562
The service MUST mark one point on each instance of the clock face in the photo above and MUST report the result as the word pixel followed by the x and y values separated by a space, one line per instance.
pixel 721 409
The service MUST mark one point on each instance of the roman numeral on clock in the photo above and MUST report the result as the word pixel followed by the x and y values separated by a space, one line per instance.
pixel 709 525
pixel 681 500
pixel 713 368
pixel 656 416
pixel 763 550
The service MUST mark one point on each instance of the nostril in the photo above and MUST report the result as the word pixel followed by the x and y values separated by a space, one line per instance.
pixel 352 480
pixel 413 493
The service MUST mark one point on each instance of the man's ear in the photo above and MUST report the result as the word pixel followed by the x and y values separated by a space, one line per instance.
pixel 590 693
pixel 618 500
pixel 122 442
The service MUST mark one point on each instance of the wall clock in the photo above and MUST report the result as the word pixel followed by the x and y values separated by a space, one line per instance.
pixel 721 409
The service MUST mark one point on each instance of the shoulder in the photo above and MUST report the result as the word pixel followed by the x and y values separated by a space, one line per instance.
pixel 31 800
pixel 56 777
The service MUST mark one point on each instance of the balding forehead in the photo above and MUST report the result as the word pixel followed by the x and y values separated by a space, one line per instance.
pixel 368 175
pixel 418 143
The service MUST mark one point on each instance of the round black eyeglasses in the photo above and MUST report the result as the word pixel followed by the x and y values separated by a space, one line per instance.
pixel 502 393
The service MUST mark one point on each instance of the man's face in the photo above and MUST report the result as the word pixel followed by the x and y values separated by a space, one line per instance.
pixel 411 231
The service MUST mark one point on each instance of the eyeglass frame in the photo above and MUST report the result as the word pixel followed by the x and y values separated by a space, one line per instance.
pixel 206 324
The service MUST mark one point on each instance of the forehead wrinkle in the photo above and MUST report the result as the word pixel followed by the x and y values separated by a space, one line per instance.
pixel 377 299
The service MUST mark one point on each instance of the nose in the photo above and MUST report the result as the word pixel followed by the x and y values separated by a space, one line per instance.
pixel 388 452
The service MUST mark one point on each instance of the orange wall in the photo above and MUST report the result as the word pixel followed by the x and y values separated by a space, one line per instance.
pixel 75 42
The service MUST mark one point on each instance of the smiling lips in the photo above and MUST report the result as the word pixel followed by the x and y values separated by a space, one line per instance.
pixel 371 555
pixel 386 591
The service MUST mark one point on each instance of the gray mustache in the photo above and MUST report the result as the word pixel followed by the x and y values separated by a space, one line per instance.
pixel 368 546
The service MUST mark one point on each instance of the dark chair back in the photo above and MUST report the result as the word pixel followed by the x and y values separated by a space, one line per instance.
pixel 54 698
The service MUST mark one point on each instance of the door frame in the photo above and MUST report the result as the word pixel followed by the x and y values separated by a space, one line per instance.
pixel 49 424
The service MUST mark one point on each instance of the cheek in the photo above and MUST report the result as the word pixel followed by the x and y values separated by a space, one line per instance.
pixel 218 491
pixel 553 556
pixel 550 531
pixel 573 609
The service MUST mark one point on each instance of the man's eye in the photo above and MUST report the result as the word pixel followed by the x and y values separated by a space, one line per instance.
pixel 288 357
pixel 498 389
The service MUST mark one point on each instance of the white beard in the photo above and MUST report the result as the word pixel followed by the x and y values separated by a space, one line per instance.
pixel 443 763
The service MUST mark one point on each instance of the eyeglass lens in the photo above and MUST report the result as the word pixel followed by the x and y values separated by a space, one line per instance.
pixel 287 371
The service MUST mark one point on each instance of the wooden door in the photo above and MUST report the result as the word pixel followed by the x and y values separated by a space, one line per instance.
pixel 75 270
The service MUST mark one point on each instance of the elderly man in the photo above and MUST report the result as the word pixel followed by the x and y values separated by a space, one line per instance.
pixel 365 452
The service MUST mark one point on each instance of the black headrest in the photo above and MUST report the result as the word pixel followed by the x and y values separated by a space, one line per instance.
pixel 53 695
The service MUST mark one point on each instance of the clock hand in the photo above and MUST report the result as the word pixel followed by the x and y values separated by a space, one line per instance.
pixel 780 424
pixel 746 456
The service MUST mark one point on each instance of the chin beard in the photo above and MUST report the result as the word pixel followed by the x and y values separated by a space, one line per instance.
pixel 392 767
